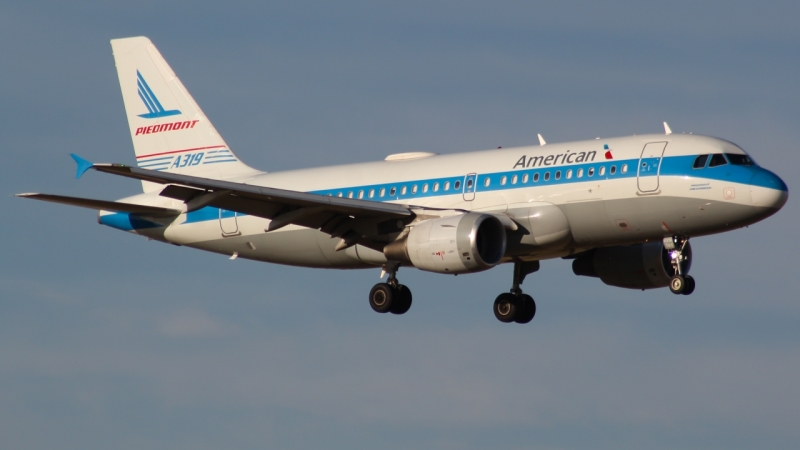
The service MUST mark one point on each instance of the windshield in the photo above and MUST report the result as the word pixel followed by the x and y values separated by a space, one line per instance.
pixel 739 160
pixel 717 160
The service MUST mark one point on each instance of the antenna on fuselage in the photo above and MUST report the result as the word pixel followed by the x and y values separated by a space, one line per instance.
pixel 667 130
pixel 541 140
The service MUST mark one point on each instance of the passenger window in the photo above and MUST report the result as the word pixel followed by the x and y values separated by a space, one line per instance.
pixel 612 170
pixel 457 185
pixel 624 168
pixel 524 178
pixel 383 192
pixel 436 187
pixel 602 171
pixel 580 173
pixel 700 162
pixel 446 185
pixel 403 190
pixel 339 194
pixel 392 191
pixel 558 174
pixel 414 189
pixel 360 194
pixel 590 172
pixel 503 180
pixel 739 160
pixel 469 183
pixel 350 194
pixel 569 174
pixel 514 179
pixel 487 181
pixel 371 193
pixel 425 188
pixel 717 159
pixel 546 176
pixel 536 177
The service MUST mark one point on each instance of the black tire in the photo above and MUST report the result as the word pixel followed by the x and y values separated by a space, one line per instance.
pixel 381 298
pixel 402 300
pixel 527 309
pixel 690 285
pixel 677 284
pixel 505 307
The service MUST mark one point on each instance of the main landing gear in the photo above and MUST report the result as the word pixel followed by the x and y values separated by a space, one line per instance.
pixel 516 306
pixel 391 296
pixel 681 282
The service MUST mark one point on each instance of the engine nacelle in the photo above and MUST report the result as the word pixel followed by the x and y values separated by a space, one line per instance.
pixel 462 243
pixel 640 266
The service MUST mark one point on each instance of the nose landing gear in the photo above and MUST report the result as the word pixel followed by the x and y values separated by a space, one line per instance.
pixel 516 306
pixel 680 283
pixel 391 296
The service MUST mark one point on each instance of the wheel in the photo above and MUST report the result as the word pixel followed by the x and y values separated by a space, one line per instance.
pixel 505 307
pixel 677 284
pixel 689 285
pixel 526 309
pixel 402 300
pixel 381 297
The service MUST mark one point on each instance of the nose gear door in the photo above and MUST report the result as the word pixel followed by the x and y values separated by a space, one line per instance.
pixel 650 166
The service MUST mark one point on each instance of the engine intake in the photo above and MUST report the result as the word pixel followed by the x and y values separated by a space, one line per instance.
pixel 462 243
pixel 640 266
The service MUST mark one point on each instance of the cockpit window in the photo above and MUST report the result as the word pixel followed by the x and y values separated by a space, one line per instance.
pixel 717 159
pixel 739 160
pixel 700 161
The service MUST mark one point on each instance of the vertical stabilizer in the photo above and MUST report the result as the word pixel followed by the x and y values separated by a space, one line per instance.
pixel 168 129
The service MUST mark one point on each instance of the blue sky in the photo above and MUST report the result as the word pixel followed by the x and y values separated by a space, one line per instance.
pixel 110 341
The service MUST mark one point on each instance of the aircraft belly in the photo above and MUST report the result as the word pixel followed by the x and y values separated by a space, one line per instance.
pixel 296 247
pixel 292 245
pixel 588 221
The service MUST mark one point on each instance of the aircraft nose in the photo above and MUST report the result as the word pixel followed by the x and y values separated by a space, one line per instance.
pixel 768 190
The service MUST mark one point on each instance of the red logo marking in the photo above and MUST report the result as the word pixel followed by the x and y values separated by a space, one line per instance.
pixel 166 127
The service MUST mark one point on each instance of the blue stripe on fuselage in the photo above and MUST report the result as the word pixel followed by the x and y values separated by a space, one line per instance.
pixel 209 213
pixel 126 221
pixel 670 166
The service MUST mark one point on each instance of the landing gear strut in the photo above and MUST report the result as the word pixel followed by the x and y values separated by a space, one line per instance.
pixel 681 282
pixel 391 296
pixel 516 306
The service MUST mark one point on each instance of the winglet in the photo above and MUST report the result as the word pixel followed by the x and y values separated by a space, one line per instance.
pixel 541 140
pixel 83 165
pixel 667 130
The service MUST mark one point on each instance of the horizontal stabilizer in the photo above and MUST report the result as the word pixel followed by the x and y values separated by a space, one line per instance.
pixel 103 204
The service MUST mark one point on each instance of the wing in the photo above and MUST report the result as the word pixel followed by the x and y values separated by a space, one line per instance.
pixel 355 221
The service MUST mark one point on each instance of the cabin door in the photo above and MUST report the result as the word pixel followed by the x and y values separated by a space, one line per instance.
pixel 228 223
pixel 650 166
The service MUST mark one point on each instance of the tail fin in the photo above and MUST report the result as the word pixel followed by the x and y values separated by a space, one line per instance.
pixel 169 131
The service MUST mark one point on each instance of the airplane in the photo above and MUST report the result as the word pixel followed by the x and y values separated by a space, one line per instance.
pixel 623 209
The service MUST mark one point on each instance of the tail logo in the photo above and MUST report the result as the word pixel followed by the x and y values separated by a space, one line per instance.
pixel 151 102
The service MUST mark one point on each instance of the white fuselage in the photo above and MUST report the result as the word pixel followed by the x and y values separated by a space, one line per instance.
pixel 610 192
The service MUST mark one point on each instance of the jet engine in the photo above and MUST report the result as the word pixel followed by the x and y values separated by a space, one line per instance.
pixel 462 243
pixel 640 266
